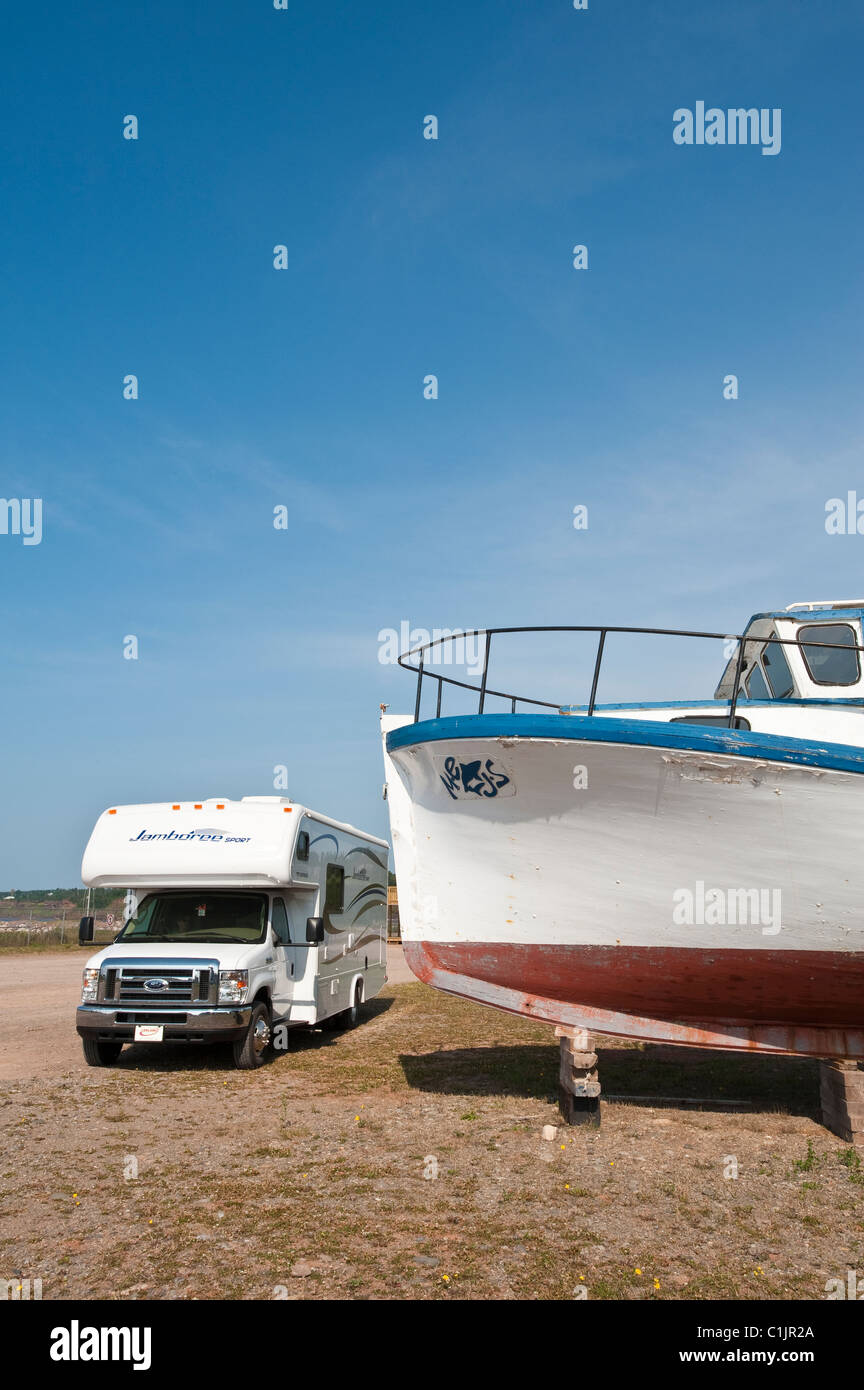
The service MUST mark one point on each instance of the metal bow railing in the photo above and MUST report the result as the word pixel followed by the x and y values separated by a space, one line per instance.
pixel 484 689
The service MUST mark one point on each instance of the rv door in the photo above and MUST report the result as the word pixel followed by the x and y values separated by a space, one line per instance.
pixel 284 959
pixel 292 954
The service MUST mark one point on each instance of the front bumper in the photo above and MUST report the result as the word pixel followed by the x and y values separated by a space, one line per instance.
pixel 180 1025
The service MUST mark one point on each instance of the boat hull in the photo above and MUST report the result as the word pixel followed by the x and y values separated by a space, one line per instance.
pixel 688 888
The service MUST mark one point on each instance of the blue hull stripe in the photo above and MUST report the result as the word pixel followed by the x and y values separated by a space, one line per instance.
pixel 776 748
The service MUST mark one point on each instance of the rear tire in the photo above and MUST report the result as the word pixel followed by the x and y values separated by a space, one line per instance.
pixel 98 1053
pixel 349 1018
pixel 250 1051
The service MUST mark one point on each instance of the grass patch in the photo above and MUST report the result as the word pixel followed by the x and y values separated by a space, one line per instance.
pixel 806 1165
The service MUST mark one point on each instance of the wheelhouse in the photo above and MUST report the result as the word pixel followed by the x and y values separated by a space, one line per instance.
pixel 808 651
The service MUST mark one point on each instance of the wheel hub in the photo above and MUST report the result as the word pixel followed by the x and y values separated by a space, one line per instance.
pixel 260 1035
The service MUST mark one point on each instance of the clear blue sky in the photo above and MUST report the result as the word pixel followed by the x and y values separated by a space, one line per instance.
pixel 304 387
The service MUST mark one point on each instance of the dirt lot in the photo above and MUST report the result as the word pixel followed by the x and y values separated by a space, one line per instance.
pixel 38 994
pixel 405 1160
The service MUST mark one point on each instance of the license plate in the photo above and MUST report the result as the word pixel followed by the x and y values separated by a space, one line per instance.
pixel 149 1032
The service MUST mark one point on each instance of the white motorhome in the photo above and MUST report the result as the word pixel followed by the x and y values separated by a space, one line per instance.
pixel 243 918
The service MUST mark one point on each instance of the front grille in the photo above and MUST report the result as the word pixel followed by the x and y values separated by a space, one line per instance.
pixel 183 986
pixel 189 982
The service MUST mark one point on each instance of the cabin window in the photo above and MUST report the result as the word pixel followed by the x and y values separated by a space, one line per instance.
pixel 776 669
pixel 756 685
pixel 335 896
pixel 279 922
pixel 836 664
pixel 303 845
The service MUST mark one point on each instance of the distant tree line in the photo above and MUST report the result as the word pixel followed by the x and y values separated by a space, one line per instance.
pixel 99 897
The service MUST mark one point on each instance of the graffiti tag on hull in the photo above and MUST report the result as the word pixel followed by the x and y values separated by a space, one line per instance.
pixel 479 778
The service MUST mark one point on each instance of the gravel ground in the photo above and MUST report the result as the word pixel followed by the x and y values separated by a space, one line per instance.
pixel 405 1159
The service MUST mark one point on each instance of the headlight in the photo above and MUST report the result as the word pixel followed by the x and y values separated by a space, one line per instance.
pixel 232 986
pixel 90 986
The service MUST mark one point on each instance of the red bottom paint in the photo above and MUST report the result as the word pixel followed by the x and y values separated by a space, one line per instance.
pixel 809 1002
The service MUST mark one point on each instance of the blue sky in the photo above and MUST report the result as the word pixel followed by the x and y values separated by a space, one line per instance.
pixel 303 387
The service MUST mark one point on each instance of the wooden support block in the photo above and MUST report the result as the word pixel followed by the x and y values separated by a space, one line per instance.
pixel 586 1089
pixel 582 1061
pixel 841 1092
pixel 572 1076
pixel 579 1110
pixel 842 1078
pixel 578 1081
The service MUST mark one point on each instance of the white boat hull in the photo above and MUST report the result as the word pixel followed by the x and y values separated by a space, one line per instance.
pixel 650 889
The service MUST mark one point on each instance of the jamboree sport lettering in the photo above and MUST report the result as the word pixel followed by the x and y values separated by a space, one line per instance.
pixel 203 836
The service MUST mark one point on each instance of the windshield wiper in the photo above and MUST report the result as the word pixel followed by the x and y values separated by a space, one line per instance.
pixel 145 936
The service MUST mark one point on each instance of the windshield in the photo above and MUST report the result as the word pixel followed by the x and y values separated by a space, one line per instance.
pixel 776 670
pixel 238 917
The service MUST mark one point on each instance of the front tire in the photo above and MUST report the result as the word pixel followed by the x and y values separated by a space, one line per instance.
pixel 250 1051
pixel 98 1053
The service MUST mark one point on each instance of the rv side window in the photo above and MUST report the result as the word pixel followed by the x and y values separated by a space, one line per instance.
pixel 835 664
pixel 756 685
pixel 335 896
pixel 777 671
pixel 279 922
pixel 303 845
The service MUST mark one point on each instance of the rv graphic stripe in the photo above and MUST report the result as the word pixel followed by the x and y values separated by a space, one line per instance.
pixel 373 892
pixel 326 836
pixel 370 854
pixel 367 908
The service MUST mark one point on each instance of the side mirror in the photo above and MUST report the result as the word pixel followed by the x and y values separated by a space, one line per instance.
pixel 85 931
pixel 314 930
